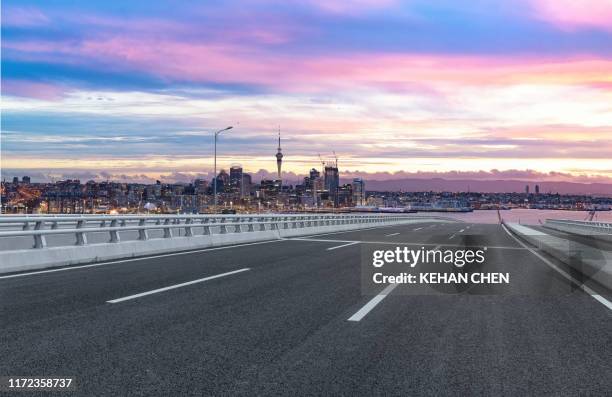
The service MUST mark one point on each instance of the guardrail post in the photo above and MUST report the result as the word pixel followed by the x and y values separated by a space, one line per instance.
pixel 251 228
pixel 262 224
pixel 142 233
pixel 223 227
pixel 81 238
pixel 26 225
pixel 167 230
pixel 114 234
pixel 188 229
pixel 40 241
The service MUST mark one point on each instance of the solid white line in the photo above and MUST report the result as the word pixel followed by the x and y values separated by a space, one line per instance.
pixel 125 298
pixel 391 234
pixel 361 313
pixel 343 245
pixel 352 231
pixel 586 289
pixel 320 240
pixel 452 237
pixel 417 229
pixel 136 259
pixel 462 230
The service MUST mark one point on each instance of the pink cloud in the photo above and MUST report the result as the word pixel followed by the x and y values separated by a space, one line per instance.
pixel 31 89
pixel 237 62
pixel 23 17
pixel 572 14
pixel 349 7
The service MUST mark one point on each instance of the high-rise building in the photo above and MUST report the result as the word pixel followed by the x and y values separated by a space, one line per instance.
pixel 345 195
pixel 201 186
pixel 537 189
pixel 279 157
pixel 235 178
pixel 332 181
pixel 222 181
pixel 526 189
pixel 358 191
pixel 245 187
pixel 26 180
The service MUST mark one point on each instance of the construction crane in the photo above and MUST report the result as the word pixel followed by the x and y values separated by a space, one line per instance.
pixel 335 157
pixel 322 162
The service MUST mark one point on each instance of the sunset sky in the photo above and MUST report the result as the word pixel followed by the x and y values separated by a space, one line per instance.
pixel 133 90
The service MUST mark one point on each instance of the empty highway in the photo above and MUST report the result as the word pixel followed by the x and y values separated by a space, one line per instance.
pixel 289 316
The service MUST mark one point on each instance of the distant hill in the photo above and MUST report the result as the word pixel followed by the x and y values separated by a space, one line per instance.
pixel 486 186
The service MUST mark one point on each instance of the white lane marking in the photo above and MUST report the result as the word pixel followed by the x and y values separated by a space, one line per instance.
pixel 361 313
pixel 343 245
pixel 399 243
pixel 586 289
pixel 125 298
pixel 352 231
pixel 321 240
pixel 452 237
pixel 137 259
pixel 462 230
pixel 417 229
pixel 391 234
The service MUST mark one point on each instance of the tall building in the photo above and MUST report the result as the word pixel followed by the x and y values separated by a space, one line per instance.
pixel 26 180
pixel 526 189
pixel 358 191
pixel 235 178
pixel 245 187
pixel 332 181
pixel 279 157
pixel 537 189
pixel 222 181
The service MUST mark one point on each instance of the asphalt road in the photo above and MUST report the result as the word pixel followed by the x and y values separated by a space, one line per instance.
pixel 279 324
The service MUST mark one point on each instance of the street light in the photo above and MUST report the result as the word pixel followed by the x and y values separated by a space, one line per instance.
pixel 215 171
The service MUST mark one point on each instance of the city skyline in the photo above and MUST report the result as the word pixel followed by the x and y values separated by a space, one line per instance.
pixel 485 90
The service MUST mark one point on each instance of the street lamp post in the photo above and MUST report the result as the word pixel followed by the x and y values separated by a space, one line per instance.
pixel 215 167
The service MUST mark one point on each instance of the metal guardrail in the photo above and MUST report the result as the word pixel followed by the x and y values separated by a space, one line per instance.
pixel 41 226
pixel 589 226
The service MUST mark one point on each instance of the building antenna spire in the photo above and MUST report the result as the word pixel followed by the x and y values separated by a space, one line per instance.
pixel 279 157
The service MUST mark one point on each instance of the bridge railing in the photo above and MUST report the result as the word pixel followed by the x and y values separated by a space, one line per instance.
pixel 590 228
pixel 40 227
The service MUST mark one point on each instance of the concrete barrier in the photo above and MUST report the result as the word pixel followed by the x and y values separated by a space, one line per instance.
pixel 32 259
pixel 588 261
pixel 598 230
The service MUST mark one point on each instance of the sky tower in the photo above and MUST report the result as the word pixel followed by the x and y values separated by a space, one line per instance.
pixel 279 156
